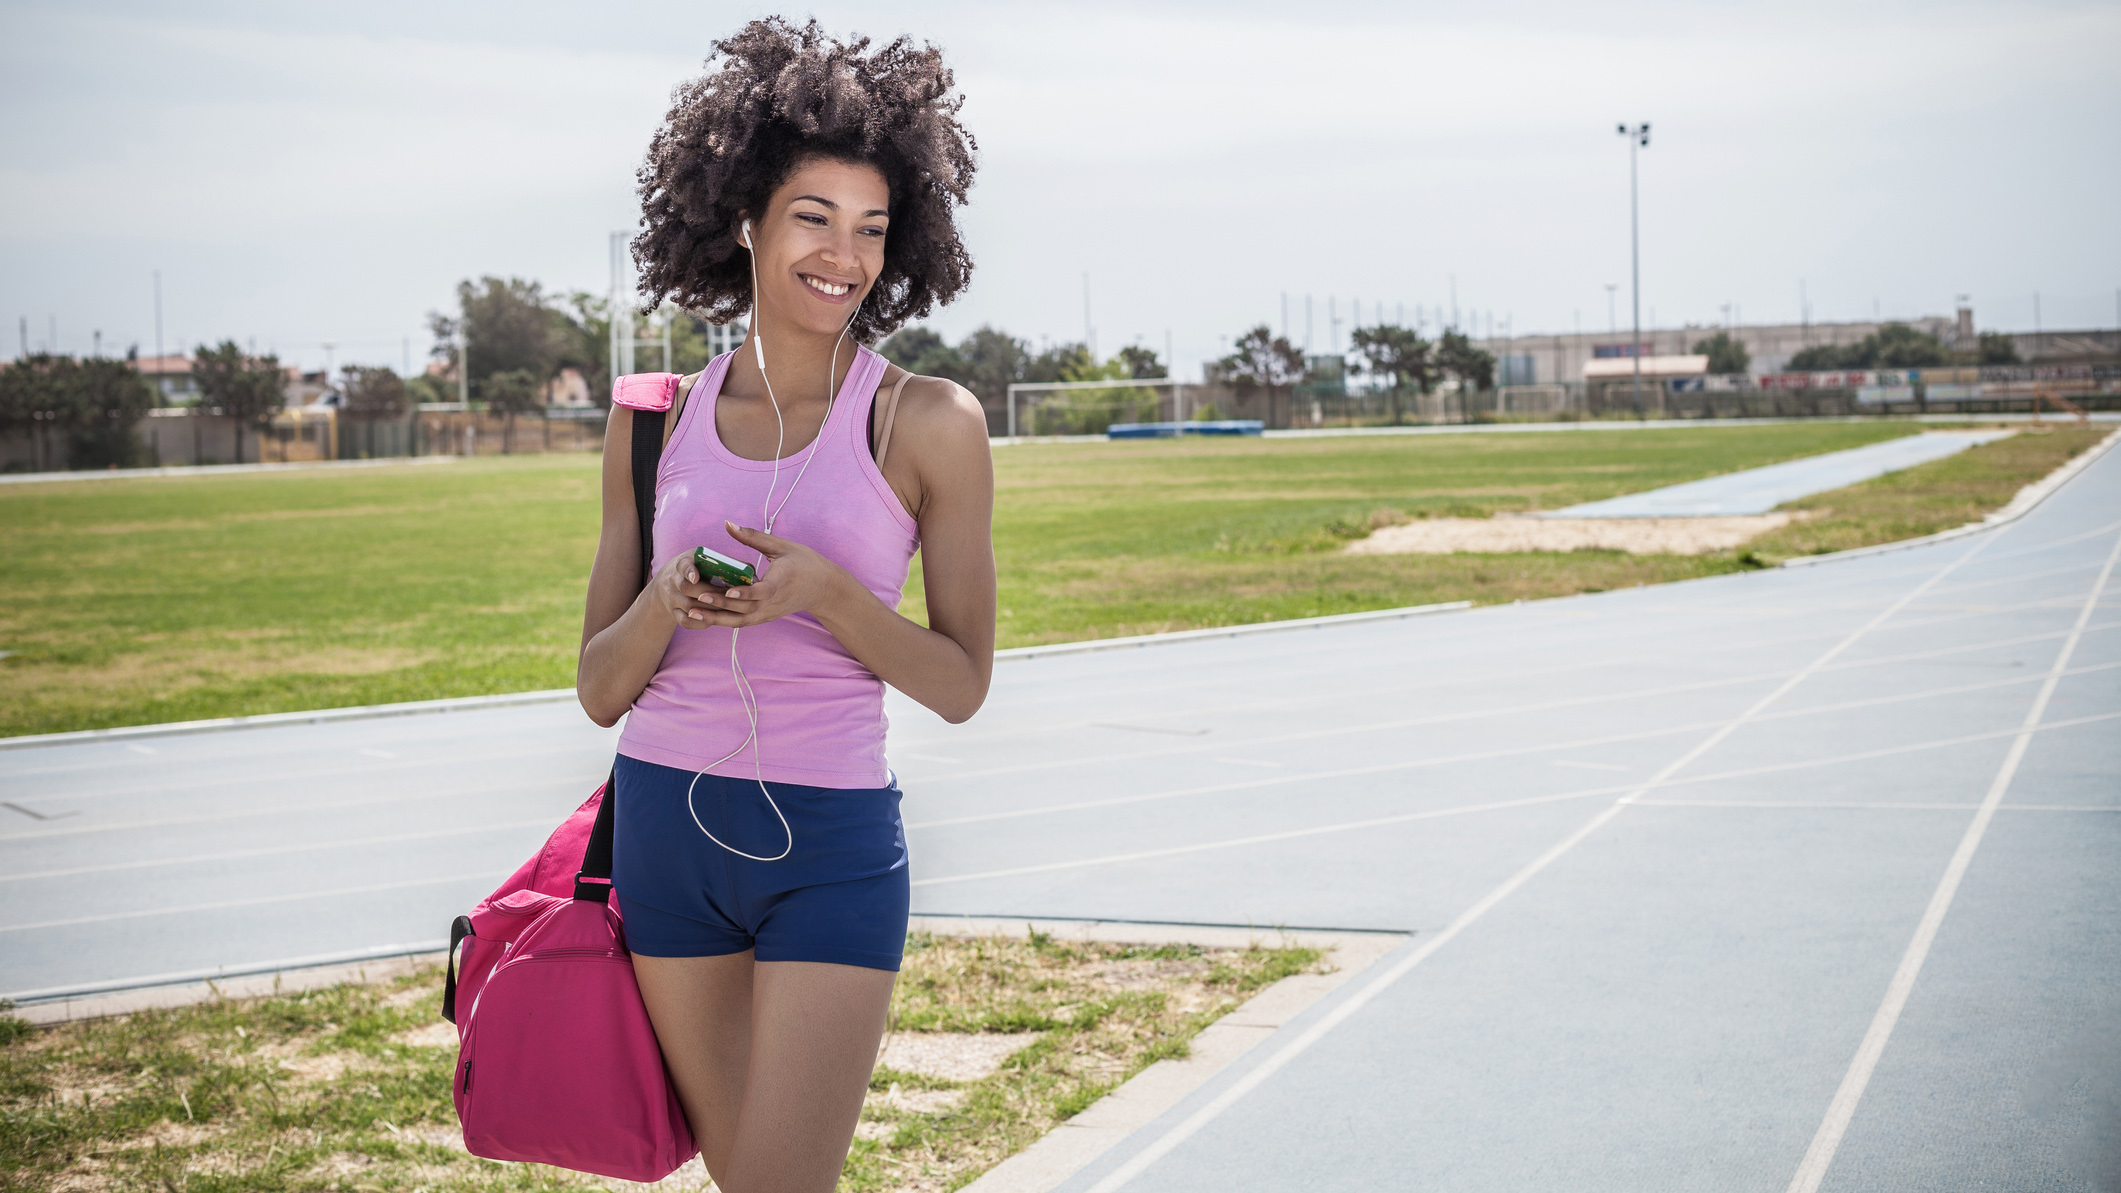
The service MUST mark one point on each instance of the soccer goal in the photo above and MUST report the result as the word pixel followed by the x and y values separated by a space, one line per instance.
pixel 1088 407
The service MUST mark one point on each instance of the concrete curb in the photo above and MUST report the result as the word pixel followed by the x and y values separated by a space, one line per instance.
pixel 1018 653
pixel 2020 505
pixel 116 474
pixel 559 695
pixel 268 720
pixel 65 1004
pixel 1078 1142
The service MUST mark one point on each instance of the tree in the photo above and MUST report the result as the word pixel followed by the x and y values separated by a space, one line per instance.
pixel 35 399
pixel 1898 346
pixel 512 392
pixel 248 389
pixel 94 405
pixel 584 333
pixel 906 348
pixel 507 325
pixel 1142 363
pixel 373 393
pixel 1893 346
pixel 1398 354
pixel 1999 348
pixel 1474 368
pixel 1726 355
pixel 1266 361
pixel 989 361
pixel 110 399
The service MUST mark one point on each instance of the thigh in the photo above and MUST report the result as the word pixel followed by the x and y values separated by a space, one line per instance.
pixel 815 1031
pixel 701 1009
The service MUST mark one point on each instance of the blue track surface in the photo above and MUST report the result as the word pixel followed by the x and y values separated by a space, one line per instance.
pixel 1758 490
pixel 1663 853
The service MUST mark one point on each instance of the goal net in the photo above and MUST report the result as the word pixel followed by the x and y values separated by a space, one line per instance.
pixel 1089 407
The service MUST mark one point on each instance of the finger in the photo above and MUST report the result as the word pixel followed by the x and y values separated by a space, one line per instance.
pixel 758 540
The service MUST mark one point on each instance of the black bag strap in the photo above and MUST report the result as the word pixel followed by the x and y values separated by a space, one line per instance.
pixel 458 930
pixel 593 880
pixel 647 454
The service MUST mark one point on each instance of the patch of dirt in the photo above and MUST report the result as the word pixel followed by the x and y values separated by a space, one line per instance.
pixel 950 1056
pixel 914 1101
pixel 328 1067
pixel 434 1035
pixel 1505 534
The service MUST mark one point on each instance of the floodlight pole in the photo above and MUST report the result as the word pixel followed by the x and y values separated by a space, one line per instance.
pixel 1638 137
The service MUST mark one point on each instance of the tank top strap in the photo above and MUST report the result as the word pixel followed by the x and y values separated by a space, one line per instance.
pixel 858 394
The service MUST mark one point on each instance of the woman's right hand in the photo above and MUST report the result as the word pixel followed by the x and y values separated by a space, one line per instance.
pixel 680 592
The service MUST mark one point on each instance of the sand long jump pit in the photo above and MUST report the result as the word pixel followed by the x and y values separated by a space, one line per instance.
pixel 1510 534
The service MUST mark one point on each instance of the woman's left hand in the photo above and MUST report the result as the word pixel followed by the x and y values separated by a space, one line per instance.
pixel 795 579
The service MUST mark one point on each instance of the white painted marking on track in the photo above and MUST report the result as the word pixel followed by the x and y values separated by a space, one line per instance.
pixel 1570 762
pixel 1248 762
pixel 1827 1141
pixel 1706 685
pixel 1490 755
pixel 1527 801
pixel 1187 1127
pixel 372 888
pixel 280 850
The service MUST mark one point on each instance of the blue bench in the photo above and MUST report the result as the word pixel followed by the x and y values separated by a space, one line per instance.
pixel 1227 426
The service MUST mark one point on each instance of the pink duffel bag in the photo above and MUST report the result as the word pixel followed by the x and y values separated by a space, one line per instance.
pixel 556 1060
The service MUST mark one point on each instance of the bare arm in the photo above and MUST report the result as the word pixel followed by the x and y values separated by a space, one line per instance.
pixel 948 664
pixel 624 632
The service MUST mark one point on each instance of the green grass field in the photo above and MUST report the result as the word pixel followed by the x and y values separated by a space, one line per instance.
pixel 156 599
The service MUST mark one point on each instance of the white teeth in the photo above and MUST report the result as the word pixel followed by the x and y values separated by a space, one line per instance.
pixel 834 289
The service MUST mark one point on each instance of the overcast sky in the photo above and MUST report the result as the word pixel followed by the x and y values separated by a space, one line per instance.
pixel 308 173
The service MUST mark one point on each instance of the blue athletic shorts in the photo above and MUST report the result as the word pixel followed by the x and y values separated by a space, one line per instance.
pixel 840 896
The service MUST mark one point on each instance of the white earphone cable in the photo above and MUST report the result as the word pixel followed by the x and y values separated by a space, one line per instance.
pixel 768 512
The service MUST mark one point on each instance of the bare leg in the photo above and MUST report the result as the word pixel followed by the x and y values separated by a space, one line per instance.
pixel 815 1029
pixel 770 1060
pixel 701 1009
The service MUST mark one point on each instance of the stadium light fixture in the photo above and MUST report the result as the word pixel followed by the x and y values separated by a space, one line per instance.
pixel 1638 136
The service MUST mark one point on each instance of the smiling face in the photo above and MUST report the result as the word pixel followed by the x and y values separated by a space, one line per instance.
pixel 820 244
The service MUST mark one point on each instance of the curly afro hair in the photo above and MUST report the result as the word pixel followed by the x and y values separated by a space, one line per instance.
pixel 778 97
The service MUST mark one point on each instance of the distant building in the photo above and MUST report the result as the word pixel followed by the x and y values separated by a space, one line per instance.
pixel 568 390
pixel 1543 359
pixel 172 377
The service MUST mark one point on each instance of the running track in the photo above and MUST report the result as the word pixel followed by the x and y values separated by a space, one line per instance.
pixel 1790 880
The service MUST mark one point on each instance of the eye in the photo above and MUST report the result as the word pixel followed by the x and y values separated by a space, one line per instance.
pixel 872 230
pixel 811 217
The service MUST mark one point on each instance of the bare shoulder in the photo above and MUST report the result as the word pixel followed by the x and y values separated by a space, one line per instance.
pixel 939 410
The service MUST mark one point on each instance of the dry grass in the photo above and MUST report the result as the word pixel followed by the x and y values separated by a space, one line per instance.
pixel 347 1088
pixel 1923 500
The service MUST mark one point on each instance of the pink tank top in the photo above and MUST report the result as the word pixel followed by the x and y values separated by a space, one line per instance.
pixel 821 713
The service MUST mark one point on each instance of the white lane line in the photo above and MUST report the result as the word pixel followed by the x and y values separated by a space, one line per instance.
pixel 278 851
pixel 1875 806
pixel 1572 763
pixel 1527 801
pixel 284 809
pixel 1185 1129
pixel 372 888
pixel 216 775
pixel 1487 755
pixel 1515 710
pixel 1820 1156
pixel 1040 714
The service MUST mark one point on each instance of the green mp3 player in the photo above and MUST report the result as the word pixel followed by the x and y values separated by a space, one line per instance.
pixel 714 565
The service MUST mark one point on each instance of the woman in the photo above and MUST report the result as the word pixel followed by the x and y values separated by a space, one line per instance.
pixel 760 863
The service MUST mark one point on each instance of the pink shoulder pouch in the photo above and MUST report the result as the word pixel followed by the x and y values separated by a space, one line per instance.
pixel 645 391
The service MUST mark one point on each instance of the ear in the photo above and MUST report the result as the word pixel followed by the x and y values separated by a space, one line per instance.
pixel 743 236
